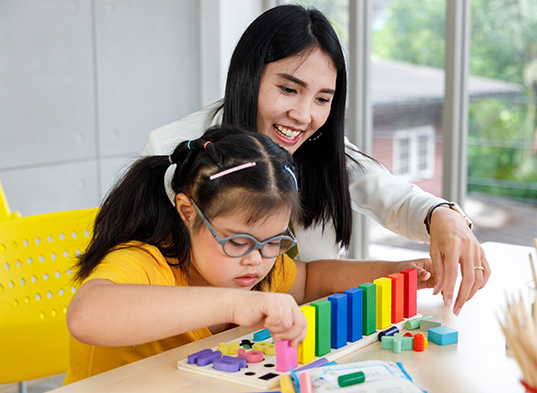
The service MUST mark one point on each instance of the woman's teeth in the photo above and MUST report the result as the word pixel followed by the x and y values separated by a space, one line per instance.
pixel 286 133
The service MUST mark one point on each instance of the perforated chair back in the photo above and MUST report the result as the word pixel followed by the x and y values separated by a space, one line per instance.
pixel 5 211
pixel 37 254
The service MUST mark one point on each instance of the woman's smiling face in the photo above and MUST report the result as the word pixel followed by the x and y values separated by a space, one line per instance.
pixel 295 98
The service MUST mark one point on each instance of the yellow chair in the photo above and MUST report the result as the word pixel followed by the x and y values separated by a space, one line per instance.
pixel 37 254
pixel 5 211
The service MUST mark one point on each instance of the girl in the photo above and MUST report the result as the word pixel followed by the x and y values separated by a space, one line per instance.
pixel 287 80
pixel 191 244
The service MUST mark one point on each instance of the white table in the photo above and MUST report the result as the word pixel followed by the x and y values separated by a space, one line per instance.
pixel 478 363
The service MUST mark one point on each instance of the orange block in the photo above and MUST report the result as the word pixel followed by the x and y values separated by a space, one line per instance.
pixel 398 296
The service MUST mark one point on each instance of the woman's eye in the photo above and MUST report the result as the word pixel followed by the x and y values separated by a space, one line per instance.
pixel 323 100
pixel 287 90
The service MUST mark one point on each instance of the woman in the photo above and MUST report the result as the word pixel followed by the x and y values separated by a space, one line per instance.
pixel 287 80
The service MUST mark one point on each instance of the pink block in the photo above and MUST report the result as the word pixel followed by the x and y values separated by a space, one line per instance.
pixel 251 356
pixel 286 356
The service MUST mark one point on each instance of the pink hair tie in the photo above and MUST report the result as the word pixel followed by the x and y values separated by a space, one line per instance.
pixel 205 145
pixel 231 170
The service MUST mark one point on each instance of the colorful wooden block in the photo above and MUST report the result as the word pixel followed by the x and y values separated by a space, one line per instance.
pixel 250 356
pixel 286 384
pixel 407 343
pixel 369 295
pixel 339 320
pixel 386 342
pixel 443 335
pixel 398 296
pixel 419 342
pixel 355 305
pixel 397 342
pixel 388 332
pixel 411 292
pixel 428 323
pixel 306 349
pixel 265 347
pixel 384 302
pixel 262 335
pixel 323 327
pixel 229 364
pixel 229 348
pixel 415 322
pixel 286 356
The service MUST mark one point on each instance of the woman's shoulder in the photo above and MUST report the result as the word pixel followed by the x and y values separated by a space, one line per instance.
pixel 163 140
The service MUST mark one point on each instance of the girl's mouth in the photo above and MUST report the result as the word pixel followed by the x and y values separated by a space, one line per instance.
pixel 247 280
pixel 286 135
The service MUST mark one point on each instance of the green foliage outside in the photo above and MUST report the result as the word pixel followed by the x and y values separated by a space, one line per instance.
pixel 503 47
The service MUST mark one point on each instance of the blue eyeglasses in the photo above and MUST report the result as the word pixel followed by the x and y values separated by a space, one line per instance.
pixel 237 246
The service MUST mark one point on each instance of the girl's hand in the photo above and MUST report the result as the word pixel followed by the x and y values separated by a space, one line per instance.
pixel 424 267
pixel 277 312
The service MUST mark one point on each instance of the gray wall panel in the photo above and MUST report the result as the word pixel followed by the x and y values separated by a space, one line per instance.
pixel 148 68
pixel 46 82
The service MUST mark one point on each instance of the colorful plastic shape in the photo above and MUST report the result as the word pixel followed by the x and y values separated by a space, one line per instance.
pixel 251 356
pixel 286 356
pixel 229 348
pixel 443 335
pixel 428 323
pixel 286 384
pixel 397 342
pixel 229 364
pixel 306 385
pixel 384 302
pixel 419 342
pixel 265 347
pixel 398 296
pixel 323 327
pixel 355 305
pixel 262 335
pixel 306 349
pixel 339 320
pixel 388 332
pixel 415 323
pixel 411 292
pixel 370 308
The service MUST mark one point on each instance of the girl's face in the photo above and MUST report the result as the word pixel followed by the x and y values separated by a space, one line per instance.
pixel 211 266
pixel 295 97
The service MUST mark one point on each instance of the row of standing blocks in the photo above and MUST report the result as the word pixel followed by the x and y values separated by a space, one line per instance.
pixel 342 318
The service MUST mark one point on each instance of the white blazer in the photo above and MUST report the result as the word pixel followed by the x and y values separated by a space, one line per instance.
pixel 391 201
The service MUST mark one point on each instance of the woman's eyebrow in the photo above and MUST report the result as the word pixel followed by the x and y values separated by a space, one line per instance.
pixel 292 78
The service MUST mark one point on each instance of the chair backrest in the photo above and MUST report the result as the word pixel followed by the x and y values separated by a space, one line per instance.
pixel 37 254
pixel 5 211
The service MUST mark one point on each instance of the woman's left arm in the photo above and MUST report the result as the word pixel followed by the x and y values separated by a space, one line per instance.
pixel 321 278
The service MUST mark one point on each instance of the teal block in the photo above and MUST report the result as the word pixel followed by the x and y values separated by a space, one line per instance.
pixel 397 342
pixel 407 343
pixel 386 342
pixel 415 323
pixel 443 335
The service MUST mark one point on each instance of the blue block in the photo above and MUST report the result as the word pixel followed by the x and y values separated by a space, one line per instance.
pixel 262 335
pixel 339 320
pixel 443 335
pixel 354 314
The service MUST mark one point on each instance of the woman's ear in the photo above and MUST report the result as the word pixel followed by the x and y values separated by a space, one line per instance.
pixel 184 207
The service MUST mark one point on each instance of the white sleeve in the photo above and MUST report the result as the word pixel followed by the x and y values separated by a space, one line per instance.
pixel 393 202
pixel 165 139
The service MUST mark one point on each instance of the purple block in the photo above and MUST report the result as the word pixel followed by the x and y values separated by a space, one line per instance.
pixel 206 357
pixel 193 358
pixel 229 364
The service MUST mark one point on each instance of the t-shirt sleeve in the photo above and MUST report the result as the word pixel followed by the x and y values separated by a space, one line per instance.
pixel 284 274
pixel 134 265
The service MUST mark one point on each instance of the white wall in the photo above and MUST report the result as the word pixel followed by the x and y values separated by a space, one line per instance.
pixel 81 85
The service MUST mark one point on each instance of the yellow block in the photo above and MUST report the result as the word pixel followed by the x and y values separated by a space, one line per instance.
pixel 384 302
pixel 286 384
pixel 306 349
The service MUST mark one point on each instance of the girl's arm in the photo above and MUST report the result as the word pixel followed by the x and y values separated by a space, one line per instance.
pixel 107 314
pixel 322 278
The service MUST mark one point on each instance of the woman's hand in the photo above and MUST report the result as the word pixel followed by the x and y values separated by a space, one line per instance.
pixel 454 244
pixel 274 311
pixel 424 267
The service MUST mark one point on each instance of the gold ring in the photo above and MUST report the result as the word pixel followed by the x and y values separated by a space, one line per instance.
pixel 479 268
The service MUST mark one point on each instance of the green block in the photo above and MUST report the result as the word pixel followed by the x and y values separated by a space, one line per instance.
pixel 386 342
pixel 407 343
pixel 397 342
pixel 323 327
pixel 370 307
pixel 415 323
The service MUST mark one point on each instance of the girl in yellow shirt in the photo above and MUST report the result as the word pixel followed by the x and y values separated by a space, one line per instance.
pixel 191 244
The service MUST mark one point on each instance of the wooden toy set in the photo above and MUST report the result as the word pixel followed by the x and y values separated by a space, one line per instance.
pixel 337 326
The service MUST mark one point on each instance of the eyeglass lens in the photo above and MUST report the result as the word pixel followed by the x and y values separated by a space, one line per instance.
pixel 239 246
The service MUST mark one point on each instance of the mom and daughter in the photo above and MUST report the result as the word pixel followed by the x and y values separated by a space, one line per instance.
pixel 235 215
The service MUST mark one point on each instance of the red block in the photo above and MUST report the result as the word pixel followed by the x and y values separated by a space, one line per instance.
pixel 419 342
pixel 398 296
pixel 411 292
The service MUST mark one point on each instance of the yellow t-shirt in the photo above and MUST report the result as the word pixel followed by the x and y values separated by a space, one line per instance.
pixel 144 264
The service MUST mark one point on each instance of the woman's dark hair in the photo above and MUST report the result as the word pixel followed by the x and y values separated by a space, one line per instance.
pixel 279 33
pixel 139 209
